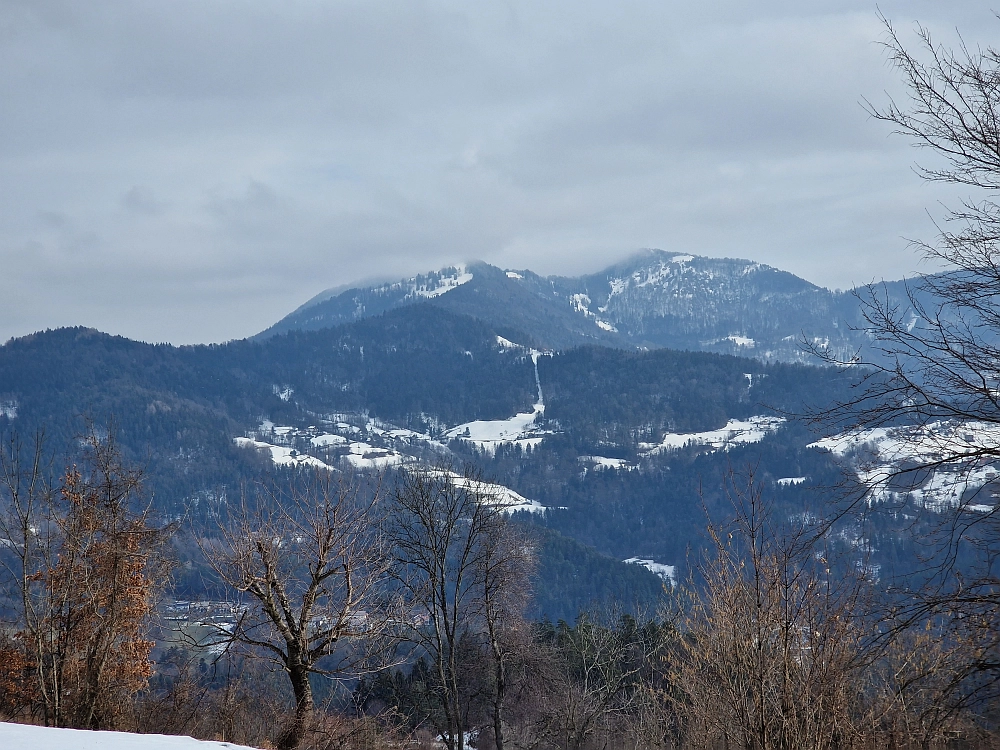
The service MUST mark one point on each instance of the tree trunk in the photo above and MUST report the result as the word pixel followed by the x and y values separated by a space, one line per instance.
pixel 301 687
pixel 501 690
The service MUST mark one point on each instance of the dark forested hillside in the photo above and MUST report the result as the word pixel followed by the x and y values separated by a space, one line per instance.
pixel 177 411
pixel 620 397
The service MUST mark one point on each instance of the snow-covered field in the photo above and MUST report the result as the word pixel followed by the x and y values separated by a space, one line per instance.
pixel 581 304
pixel 879 454
pixel 372 446
pixel 496 494
pixel 488 434
pixel 743 341
pixel 786 481
pixel 445 283
pixel 25 737
pixel 521 429
pixel 736 432
pixel 603 462
pixel 282 456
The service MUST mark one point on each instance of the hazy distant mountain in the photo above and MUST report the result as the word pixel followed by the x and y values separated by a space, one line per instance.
pixel 654 299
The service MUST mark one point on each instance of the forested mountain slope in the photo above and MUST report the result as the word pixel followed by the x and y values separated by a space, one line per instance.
pixel 616 444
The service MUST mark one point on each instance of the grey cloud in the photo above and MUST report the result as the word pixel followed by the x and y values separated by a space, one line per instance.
pixel 140 200
pixel 205 170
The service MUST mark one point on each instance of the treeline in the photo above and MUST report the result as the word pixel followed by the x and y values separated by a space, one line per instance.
pixel 397 366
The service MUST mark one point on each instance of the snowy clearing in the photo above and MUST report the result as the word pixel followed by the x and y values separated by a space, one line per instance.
pixel 47 738
pixel 507 344
pixel 744 341
pixel 495 494
pixel 666 572
pixel 282 456
pixel 321 441
pixel 489 433
pixel 785 481
pixel 603 462
pixel 736 432
pixel 879 454
pixel 365 456
pixel 445 284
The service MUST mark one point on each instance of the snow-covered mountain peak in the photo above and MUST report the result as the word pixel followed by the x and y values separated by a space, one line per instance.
pixel 655 298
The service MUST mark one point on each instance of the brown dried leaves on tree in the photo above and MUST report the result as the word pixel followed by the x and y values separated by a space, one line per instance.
pixel 81 558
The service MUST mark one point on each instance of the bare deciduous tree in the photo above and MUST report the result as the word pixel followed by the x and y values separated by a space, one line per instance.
pixel 594 686
pixel 932 366
pixel 465 571
pixel 774 653
pixel 312 559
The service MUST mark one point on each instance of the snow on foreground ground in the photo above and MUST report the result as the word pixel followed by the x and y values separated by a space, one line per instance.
pixel 23 736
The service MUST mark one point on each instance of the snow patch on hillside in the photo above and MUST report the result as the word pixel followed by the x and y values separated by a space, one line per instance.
pixel 8 409
pixel 879 454
pixel 666 572
pixel 581 304
pixel 17 736
pixel 445 283
pixel 495 494
pixel 324 440
pixel 487 434
pixel 507 343
pixel 743 341
pixel 513 275
pixel 736 432
pixel 787 481
pixel 604 462
pixel 282 456
pixel 521 429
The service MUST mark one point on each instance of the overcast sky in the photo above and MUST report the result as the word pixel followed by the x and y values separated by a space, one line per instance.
pixel 191 171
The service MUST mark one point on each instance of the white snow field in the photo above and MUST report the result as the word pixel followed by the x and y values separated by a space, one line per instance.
pixel 521 429
pixel 487 434
pixel 879 453
pixel 25 737
pixel 445 284
pixel 503 497
pixel 603 462
pixel 666 572
pixel 786 481
pixel 282 456
pixel 736 432
pixel 743 341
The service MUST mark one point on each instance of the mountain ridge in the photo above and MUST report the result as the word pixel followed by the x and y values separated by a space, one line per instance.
pixel 653 299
